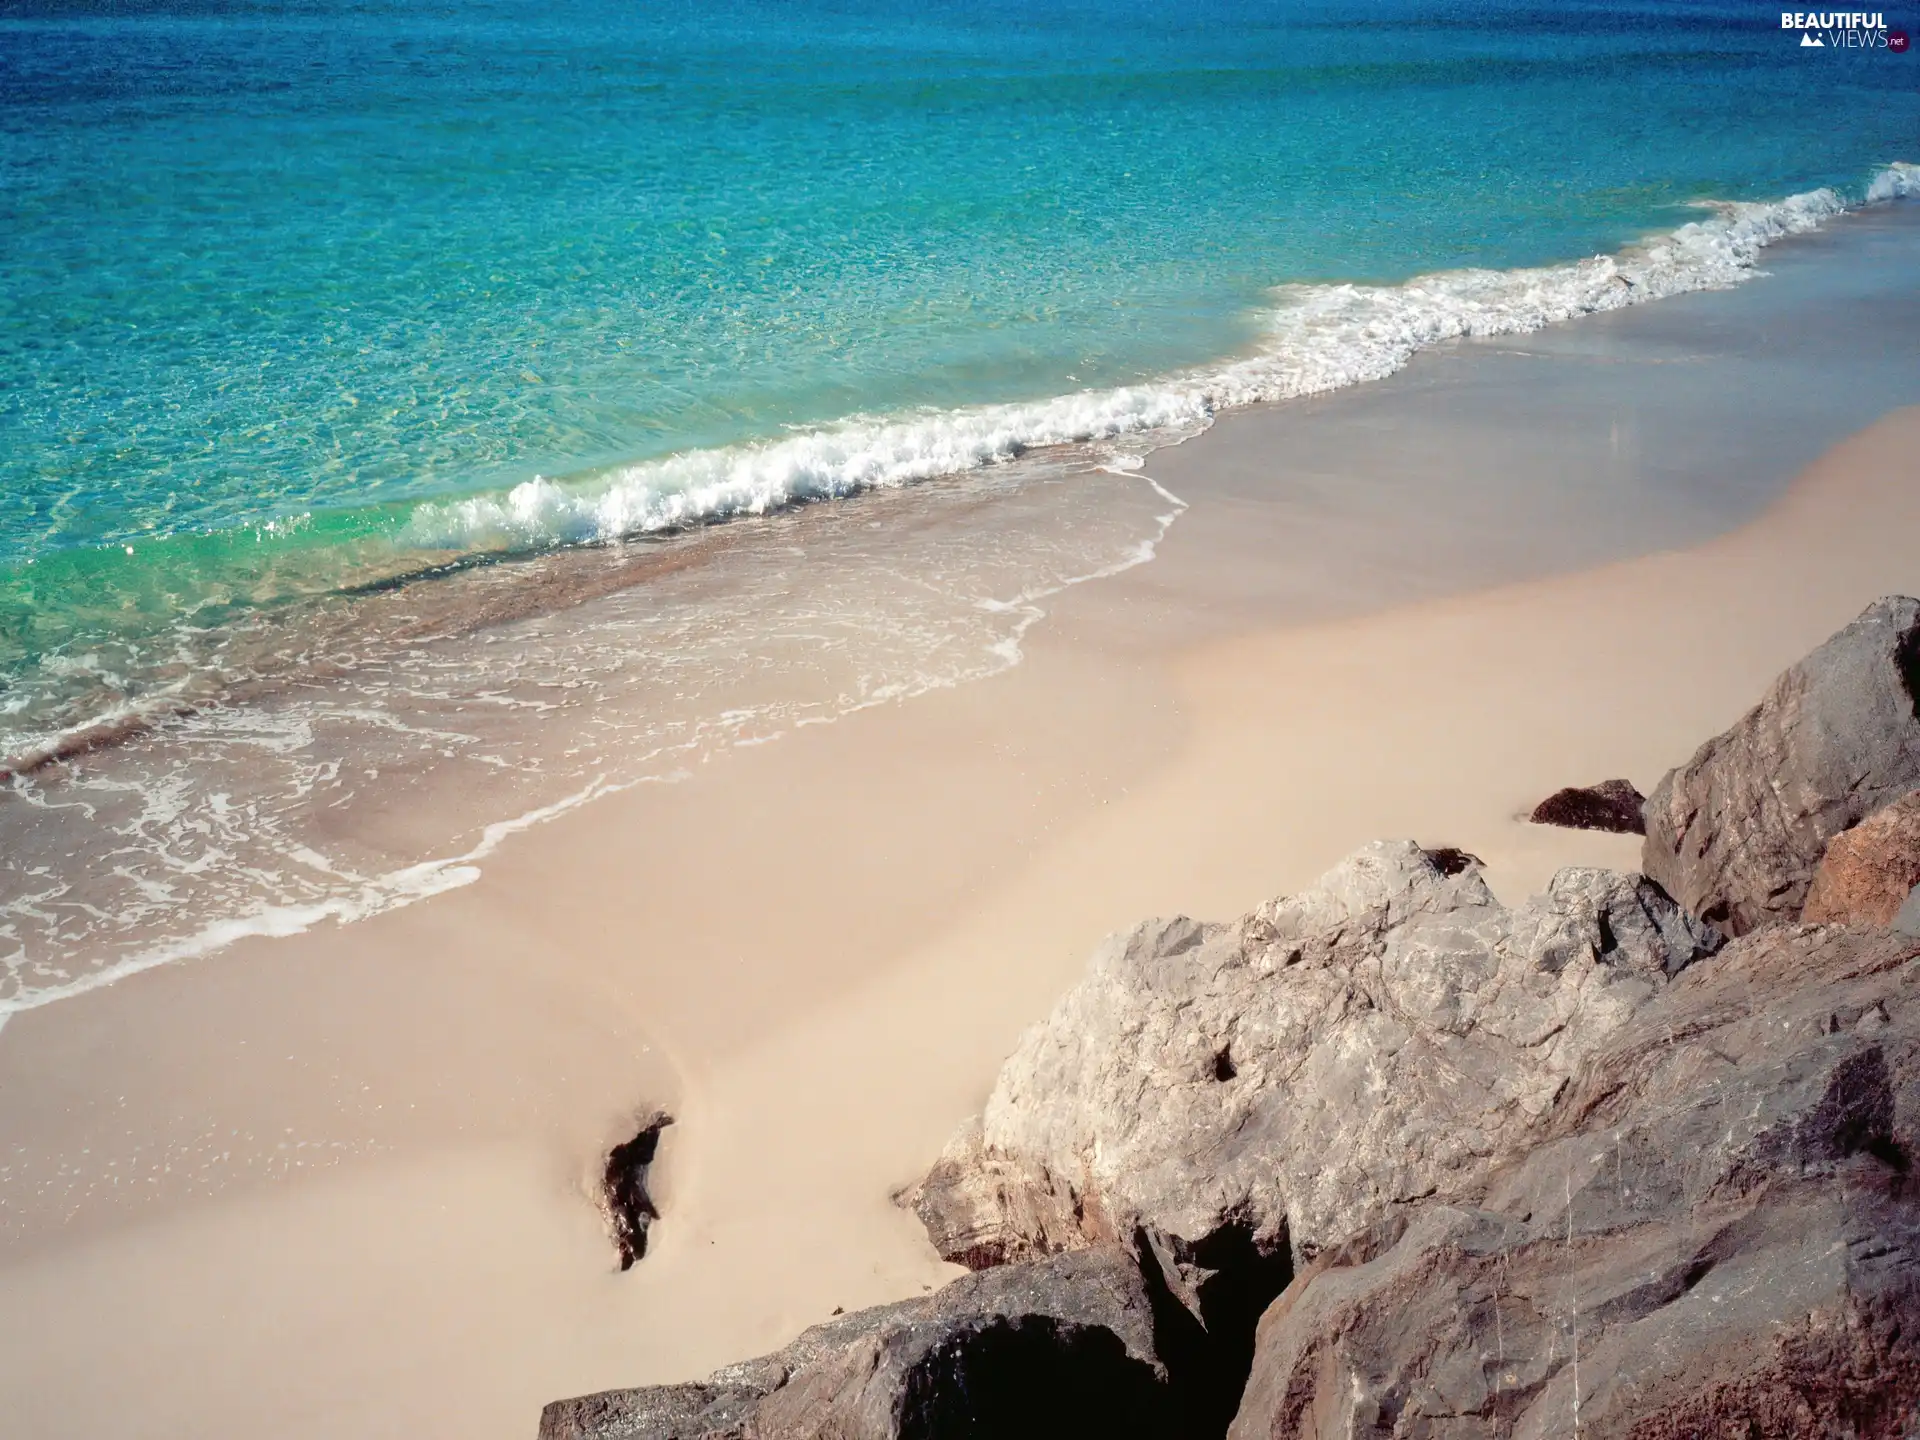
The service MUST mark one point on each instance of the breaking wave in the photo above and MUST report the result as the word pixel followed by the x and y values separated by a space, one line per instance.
pixel 1318 338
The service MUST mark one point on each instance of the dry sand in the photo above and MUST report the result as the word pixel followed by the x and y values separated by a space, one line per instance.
pixel 335 1185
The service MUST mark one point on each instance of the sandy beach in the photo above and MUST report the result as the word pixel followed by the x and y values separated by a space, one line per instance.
pixel 339 1184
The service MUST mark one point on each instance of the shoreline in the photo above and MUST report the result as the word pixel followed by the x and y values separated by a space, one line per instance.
pixel 1331 336
pixel 394 866
pixel 738 480
pixel 816 956
pixel 775 1196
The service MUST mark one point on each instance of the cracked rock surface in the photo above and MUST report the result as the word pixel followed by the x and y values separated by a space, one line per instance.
pixel 1308 1073
pixel 1869 871
pixel 1719 1221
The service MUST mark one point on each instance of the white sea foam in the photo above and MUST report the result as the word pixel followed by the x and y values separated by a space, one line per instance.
pixel 856 455
pixel 1318 338
pixel 359 897
pixel 1898 181
pixel 370 897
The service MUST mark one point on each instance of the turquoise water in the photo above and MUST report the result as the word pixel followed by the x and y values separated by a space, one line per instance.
pixel 274 275
pixel 344 348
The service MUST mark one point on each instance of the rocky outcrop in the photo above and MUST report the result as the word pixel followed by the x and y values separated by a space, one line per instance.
pixel 1736 833
pixel 1067 1346
pixel 1537 1163
pixel 1390 1157
pixel 1307 1075
pixel 1716 1233
pixel 1611 805
pixel 1497 1140
pixel 1868 871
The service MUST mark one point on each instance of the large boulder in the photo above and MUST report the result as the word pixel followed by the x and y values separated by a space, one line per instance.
pixel 1716 1235
pixel 1868 871
pixel 1311 1073
pixel 1066 1346
pixel 1735 833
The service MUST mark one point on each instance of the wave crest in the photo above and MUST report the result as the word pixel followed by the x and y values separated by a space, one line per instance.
pixel 1319 338
pixel 1898 181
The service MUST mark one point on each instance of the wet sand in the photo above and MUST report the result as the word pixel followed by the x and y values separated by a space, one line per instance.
pixel 336 1185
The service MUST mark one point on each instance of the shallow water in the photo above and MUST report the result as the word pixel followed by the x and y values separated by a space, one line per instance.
pixel 276 273
pixel 369 371
pixel 381 745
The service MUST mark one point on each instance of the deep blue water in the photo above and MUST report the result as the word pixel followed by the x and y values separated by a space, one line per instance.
pixel 270 275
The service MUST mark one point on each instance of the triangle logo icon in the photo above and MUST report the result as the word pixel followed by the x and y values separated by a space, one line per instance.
pixel 1808 42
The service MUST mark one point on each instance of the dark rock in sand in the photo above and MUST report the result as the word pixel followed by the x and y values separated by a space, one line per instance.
pixel 1869 871
pixel 1450 860
pixel 629 1207
pixel 1716 1233
pixel 1064 1347
pixel 1736 833
pixel 1306 1075
pixel 1611 805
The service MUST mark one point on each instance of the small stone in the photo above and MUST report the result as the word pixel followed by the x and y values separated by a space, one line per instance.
pixel 1612 805
pixel 624 1199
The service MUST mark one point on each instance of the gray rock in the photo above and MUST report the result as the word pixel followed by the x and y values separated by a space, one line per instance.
pixel 1734 834
pixel 1544 1175
pixel 1307 1075
pixel 1907 921
pixel 1716 1235
pixel 1065 1346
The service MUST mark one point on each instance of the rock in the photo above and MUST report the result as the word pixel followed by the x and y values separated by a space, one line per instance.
pixel 1218 1095
pixel 1066 1346
pixel 1450 860
pixel 624 1198
pixel 1611 805
pixel 1869 871
pixel 1715 1235
pixel 1541 1171
pixel 1735 834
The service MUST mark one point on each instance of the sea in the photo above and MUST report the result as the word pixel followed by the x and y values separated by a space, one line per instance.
pixel 420 419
